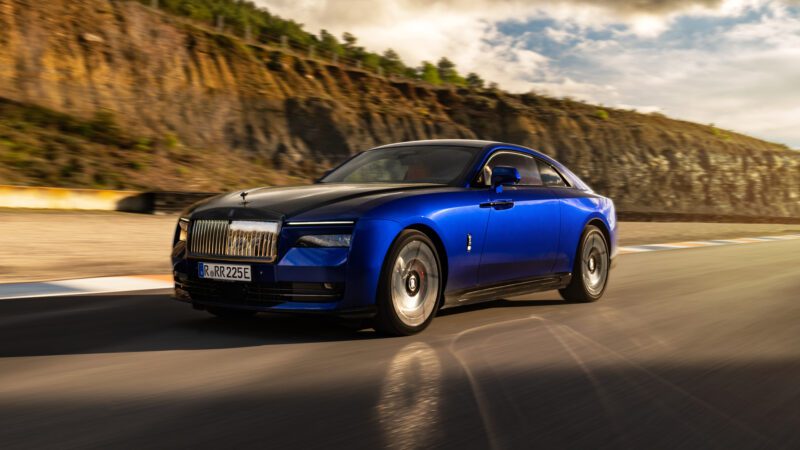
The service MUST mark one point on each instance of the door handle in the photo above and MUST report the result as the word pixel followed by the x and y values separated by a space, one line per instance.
pixel 498 204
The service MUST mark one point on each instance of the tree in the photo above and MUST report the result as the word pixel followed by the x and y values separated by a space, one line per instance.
pixel 351 49
pixel 429 73
pixel 474 81
pixel 412 72
pixel 329 43
pixel 371 60
pixel 391 63
pixel 446 69
pixel 448 73
pixel 349 40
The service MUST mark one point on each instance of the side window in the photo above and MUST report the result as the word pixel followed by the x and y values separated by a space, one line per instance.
pixel 528 169
pixel 550 176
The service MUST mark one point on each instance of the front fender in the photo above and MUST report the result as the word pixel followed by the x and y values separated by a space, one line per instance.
pixel 372 239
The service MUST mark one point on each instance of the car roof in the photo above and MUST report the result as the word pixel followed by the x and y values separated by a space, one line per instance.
pixel 472 143
pixel 455 142
pixel 489 146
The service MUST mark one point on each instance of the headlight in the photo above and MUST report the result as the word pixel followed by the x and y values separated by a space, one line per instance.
pixel 183 229
pixel 325 240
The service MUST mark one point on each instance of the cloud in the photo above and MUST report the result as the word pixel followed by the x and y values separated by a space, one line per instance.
pixel 731 62
pixel 742 77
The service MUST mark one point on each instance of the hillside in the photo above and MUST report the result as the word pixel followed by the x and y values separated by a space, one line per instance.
pixel 190 108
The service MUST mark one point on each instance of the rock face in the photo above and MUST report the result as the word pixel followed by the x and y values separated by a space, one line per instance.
pixel 160 75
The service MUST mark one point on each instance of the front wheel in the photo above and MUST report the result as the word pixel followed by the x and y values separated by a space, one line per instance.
pixel 410 285
pixel 590 270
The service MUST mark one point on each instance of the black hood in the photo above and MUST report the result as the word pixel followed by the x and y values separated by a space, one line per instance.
pixel 286 202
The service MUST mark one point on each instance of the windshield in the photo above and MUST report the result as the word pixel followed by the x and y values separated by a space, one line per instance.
pixel 412 164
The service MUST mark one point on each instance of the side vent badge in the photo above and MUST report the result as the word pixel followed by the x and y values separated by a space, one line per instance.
pixel 469 242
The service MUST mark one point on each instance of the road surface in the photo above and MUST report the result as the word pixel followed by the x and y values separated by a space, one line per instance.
pixel 695 348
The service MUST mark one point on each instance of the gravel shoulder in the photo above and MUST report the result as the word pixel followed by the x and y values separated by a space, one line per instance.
pixel 51 245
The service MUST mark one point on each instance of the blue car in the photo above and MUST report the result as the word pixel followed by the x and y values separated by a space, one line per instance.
pixel 398 232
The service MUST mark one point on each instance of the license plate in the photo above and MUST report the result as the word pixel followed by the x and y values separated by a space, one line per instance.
pixel 231 272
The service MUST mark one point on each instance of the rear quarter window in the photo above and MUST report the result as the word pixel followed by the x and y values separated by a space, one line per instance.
pixel 551 176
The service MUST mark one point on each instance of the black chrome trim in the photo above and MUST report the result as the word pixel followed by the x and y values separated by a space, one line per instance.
pixel 507 289
pixel 321 223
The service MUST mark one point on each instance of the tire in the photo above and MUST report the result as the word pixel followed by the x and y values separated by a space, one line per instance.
pixel 590 270
pixel 231 314
pixel 410 287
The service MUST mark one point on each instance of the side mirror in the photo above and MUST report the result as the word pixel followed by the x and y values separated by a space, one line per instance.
pixel 505 176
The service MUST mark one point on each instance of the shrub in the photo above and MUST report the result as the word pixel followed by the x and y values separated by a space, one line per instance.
pixel 171 141
pixel 143 145
pixel 719 133
pixel 601 114
pixel 430 73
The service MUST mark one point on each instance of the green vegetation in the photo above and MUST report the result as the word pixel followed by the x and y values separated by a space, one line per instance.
pixel 42 147
pixel 474 81
pixel 601 114
pixel 245 19
pixel 101 129
pixel 59 149
pixel 171 141
pixel 719 133
pixel 449 74
pixel 429 73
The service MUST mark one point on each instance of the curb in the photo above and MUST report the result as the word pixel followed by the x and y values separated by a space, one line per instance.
pixel 108 285
pixel 699 244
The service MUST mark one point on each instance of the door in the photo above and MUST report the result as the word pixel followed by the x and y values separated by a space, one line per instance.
pixel 522 235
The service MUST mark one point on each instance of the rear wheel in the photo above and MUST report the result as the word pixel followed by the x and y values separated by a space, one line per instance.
pixel 410 285
pixel 590 271
pixel 232 314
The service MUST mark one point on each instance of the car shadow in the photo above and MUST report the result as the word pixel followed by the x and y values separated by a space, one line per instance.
pixel 146 322
pixel 142 322
pixel 500 303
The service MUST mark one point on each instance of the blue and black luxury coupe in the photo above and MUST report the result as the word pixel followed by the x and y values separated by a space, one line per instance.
pixel 398 232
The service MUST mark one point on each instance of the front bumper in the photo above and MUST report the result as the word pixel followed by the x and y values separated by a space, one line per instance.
pixel 337 281
pixel 316 284
pixel 264 298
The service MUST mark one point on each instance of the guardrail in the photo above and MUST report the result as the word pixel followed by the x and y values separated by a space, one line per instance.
pixel 155 202
pixel 74 199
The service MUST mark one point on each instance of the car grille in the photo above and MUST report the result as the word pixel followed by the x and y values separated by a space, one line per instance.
pixel 239 239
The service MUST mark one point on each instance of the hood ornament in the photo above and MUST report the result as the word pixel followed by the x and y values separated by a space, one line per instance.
pixel 244 198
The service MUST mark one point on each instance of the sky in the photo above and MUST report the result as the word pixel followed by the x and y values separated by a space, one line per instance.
pixel 734 63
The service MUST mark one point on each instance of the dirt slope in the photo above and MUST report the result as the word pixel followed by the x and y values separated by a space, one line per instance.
pixel 247 115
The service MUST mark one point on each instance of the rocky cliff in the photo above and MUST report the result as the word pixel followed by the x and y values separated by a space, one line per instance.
pixel 230 113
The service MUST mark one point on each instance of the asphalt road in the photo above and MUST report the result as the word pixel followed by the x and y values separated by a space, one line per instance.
pixel 691 348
